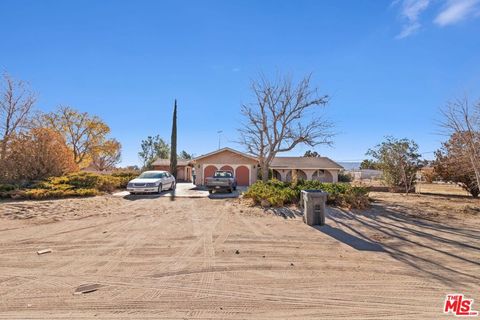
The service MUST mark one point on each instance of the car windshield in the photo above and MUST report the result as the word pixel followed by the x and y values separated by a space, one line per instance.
pixel 151 175
pixel 223 174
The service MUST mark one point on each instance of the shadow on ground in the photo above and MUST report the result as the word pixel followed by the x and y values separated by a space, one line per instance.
pixel 448 253
pixel 224 195
pixel 286 213
pixel 349 239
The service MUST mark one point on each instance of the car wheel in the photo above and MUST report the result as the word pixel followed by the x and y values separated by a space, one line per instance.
pixel 160 188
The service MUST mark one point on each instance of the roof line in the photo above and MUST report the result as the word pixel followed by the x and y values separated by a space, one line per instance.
pixel 226 149
pixel 303 168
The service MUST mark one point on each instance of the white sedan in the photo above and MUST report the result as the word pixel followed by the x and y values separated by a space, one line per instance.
pixel 152 181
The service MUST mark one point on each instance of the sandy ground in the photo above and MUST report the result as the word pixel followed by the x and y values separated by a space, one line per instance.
pixel 441 189
pixel 218 259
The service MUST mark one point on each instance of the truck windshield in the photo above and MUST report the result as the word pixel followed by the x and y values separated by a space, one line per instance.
pixel 223 174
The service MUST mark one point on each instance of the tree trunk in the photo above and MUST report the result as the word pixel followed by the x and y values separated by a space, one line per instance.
pixel 264 168
pixel 294 176
pixel 3 149
pixel 173 147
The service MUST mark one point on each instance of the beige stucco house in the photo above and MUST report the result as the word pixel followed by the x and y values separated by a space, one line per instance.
pixel 245 167
pixel 184 168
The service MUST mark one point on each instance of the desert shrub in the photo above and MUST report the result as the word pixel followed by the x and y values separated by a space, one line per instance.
pixel 279 193
pixel 85 180
pixel 80 184
pixel 344 177
pixel 7 187
pixel 38 194
pixel 125 176
pixel 41 194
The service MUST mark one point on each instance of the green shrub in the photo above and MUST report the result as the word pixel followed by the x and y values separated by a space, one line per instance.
pixel 279 193
pixel 42 194
pixel 80 184
pixel 275 192
pixel 84 180
pixel 344 177
pixel 39 194
pixel 125 176
pixel 7 187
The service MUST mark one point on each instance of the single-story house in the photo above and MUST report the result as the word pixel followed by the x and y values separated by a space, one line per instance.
pixel 184 168
pixel 308 168
pixel 245 167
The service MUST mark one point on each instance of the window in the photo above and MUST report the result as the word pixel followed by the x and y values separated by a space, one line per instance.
pixel 223 174
pixel 151 175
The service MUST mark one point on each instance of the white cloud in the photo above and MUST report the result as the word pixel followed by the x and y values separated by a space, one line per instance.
pixel 408 30
pixel 456 10
pixel 410 12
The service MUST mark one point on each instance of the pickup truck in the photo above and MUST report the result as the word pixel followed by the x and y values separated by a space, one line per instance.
pixel 221 180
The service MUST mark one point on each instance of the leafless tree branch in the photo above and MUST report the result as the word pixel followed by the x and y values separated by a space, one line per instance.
pixel 282 117
pixel 16 102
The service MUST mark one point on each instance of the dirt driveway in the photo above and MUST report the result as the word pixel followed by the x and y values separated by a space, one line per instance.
pixel 216 259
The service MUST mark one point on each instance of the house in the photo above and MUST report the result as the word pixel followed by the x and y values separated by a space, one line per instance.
pixel 184 168
pixel 307 168
pixel 245 167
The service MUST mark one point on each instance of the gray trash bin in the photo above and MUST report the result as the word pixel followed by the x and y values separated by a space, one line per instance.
pixel 314 208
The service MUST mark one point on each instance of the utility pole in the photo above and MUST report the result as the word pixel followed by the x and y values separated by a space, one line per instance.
pixel 219 136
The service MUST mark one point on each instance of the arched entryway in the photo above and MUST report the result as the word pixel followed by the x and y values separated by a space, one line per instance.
pixel 276 175
pixel 208 172
pixel 228 168
pixel 301 175
pixel 322 176
pixel 318 175
pixel 243 176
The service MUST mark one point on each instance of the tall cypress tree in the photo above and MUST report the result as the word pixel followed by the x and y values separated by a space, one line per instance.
pixel 173 144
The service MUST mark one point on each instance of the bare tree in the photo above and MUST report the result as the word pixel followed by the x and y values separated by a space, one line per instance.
pixel 16 102
pixel 463 121
pixel 282 117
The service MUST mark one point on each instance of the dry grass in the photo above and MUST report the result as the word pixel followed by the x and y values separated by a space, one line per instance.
pixel 441 188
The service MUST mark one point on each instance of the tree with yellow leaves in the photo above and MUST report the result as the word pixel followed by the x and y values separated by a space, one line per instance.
pixel 106 155
pixel 85 134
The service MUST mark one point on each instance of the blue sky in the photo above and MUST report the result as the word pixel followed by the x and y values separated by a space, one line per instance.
pixel 388 65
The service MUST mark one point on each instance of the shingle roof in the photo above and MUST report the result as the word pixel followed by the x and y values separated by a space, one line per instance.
pixel 304 163
pixel 166 162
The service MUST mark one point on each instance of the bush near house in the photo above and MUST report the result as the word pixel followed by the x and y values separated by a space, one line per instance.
pixel 79 184
pixel 125 176
pixel 279 193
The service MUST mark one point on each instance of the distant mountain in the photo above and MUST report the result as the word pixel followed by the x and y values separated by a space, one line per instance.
pixel 350 165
